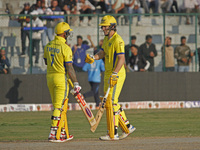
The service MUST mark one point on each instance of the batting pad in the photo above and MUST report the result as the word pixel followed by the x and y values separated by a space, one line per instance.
pixel 109 116
pixel 123 123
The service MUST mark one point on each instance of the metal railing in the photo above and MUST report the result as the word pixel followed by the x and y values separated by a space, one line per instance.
pixel 158 25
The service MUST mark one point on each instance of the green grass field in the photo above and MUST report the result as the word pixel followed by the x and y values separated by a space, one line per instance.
pixel 23 126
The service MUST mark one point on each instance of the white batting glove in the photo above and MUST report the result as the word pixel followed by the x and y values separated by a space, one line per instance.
pixel 76 89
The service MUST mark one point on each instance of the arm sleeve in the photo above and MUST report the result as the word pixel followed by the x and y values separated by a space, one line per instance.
pixel 119 47
pixel 67 55
pixel 155 51
pixel 131 69
pixel 147 65
pixel 7 63
pixel 176 54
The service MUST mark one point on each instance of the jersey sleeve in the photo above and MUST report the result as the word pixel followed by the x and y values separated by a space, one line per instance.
pixel 119 45
pixel 67 55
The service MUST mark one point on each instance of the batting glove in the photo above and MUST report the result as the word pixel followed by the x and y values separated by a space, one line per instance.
pixel 113 79
pixel 89 59
pixel 76 89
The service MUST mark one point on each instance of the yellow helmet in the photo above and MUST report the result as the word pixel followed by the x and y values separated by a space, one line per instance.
pixel 108 21
pixel 62 27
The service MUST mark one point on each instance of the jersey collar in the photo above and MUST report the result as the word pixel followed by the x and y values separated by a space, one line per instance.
pixel 60 39
pixel 112 36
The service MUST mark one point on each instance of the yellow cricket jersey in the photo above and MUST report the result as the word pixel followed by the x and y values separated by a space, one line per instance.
pixel 57 53
pixel 113 47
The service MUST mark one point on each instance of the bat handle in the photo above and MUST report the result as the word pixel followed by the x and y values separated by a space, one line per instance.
pixel 107 92
pixel 70 82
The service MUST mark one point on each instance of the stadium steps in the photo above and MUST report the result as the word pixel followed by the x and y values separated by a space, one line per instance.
pixel 155 28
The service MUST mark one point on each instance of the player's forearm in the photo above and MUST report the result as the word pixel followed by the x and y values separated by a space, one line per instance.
pixel 99 55
pixel 120 63
pixel 71 72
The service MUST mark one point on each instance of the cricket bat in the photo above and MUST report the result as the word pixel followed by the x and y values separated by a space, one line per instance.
pixel 100 111
pixel 82 103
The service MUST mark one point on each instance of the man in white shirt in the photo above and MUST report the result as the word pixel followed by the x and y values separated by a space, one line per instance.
pixel 118 7
pixel 133 7
pixel 36 35
pixel 85 7
pixel 191 6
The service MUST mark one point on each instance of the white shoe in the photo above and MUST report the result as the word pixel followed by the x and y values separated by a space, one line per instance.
pixel 107 138
pixel 124 135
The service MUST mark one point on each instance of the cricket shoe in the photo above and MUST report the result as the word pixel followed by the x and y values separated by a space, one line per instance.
pixel 124 135
pixel 61 140
pixel 63 137
pixel 107 138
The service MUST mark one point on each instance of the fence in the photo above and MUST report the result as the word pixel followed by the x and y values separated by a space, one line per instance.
pixel 158 25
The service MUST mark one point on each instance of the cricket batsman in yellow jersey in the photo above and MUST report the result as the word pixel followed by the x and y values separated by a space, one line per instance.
pixel 115 74
pixel 58 58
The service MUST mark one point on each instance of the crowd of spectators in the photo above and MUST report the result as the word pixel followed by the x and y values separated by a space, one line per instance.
pixel 138 58
pixel 137 7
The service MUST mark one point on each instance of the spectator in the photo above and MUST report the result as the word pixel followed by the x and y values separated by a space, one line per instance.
pixel 133 7
pixel 85 7
pixel 148 50
pixel 198 54
pixel 154 5
pixel 118 7
pixel 137 62
pixel 9 10
pixel 94 77
pixel 108 6
pixel 128 48
pixel 168 55
pixel 100 3
pixel 144 5
pixel 48 32
pixel 4 62
pixel 54 6
pixel 51 23
pixel 183 55
pixel 24 20
pixel 79 52
pixel 69 7
pixel 36 6
pixel 166 6
pixel 190 6
pixel 36 36
pixel 174 7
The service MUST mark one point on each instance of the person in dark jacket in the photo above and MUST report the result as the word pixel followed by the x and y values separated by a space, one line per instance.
pixel 148 50
pixel 24 20
pixel 137 62
pixel 4 62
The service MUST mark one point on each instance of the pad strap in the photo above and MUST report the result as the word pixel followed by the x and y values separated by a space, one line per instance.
pixel 54 128
pixel 55 118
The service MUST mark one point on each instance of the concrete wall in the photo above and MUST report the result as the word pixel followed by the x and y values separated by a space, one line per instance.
pixel 24 89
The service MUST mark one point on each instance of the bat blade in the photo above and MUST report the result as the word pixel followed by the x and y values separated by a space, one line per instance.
pixel 98 119
pixel 86 110
pixel 101 111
